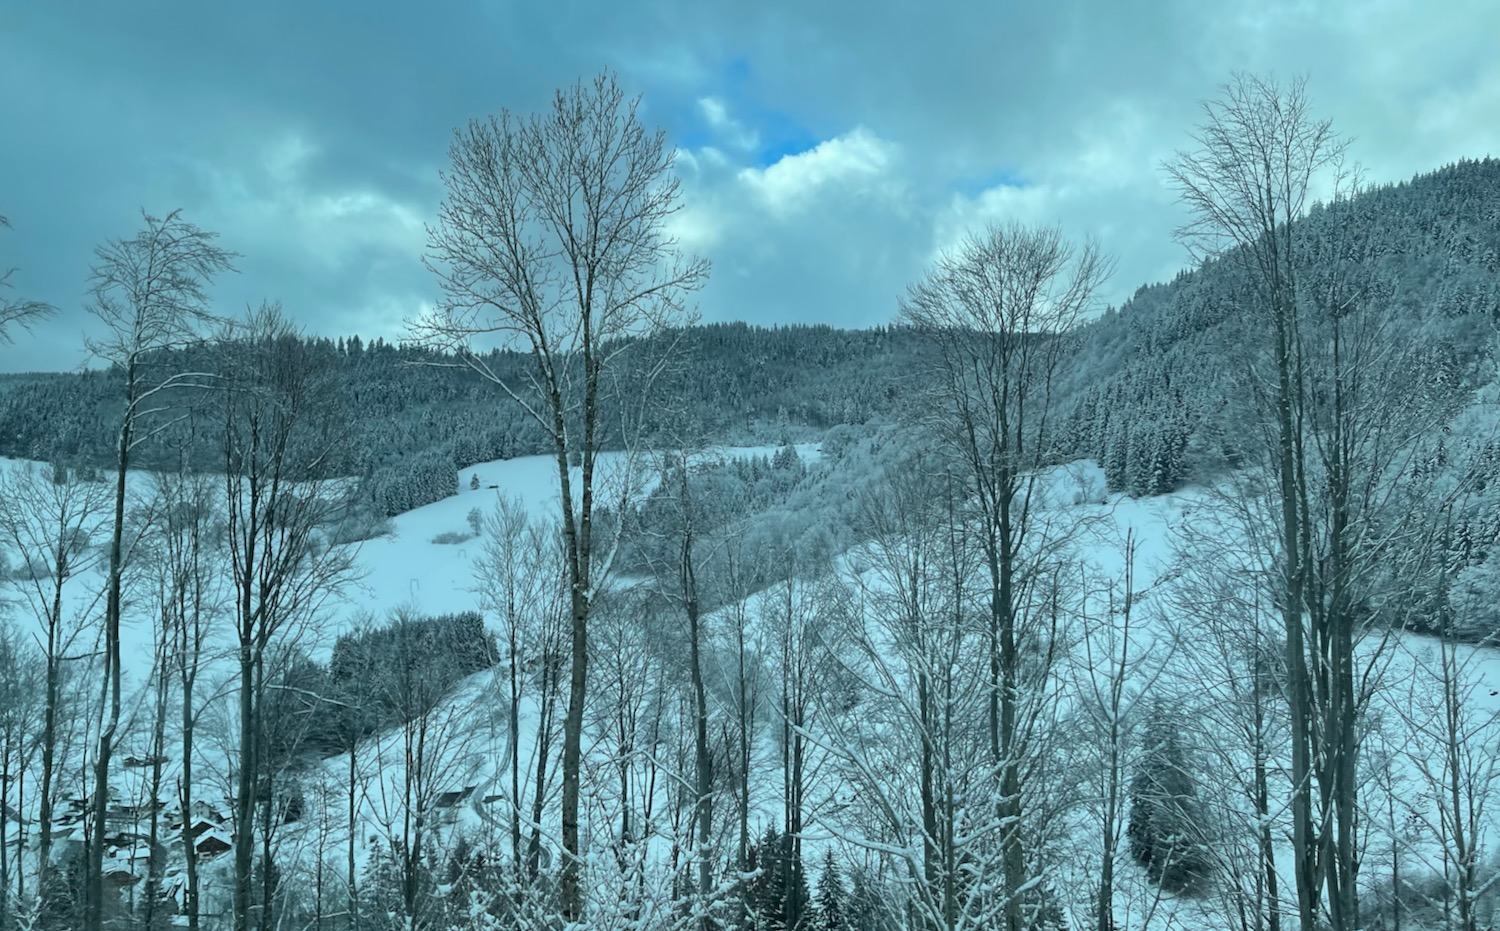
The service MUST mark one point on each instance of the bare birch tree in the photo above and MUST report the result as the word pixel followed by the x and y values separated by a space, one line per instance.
pixel 996 310
pixel 1340 399
pixel 552 240
pixel 150 293
pixel 52 521
pixel 278 431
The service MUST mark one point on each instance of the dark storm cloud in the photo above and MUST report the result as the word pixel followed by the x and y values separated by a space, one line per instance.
pixel 829 150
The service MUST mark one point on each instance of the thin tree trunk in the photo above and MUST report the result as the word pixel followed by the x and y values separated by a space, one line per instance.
pixel 93 917
pixel 53 690
pixel 267 809
pixel 514 763
pixel 1263 807
pixel 543 753
pixel 1304 837
pixel 572 755
pixel 7 751
pixel 353 877
pixel 155 865
pixel 703 763
pixel 244 801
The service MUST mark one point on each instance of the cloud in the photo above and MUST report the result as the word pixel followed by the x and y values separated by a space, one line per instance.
pixel 827 150
pixel 858 161
pixel 277 206
pixel 730 130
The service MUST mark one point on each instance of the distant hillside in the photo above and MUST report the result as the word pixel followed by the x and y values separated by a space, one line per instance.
pixel 413 417
pixel 1153 393
pixel 1150 392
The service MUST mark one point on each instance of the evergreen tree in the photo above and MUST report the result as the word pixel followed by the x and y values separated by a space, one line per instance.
pixel 1165 829
pixel 767 892
pixel 864 909
pixel 830 914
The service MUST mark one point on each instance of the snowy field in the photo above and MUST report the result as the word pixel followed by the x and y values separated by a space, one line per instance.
pixel 408 570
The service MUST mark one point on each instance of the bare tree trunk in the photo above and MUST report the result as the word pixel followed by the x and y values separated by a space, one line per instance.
pixel 1105 902
pixel 1263 803
pixel 702 760
pixel 572 755
pixel 353 876
pixel 188 672
pixel 49 737
pixel 244 793
pixel 155 864
pixel 513 721
pixel 999 347
pixel 8 741
pixel 93 917
pixel 268 823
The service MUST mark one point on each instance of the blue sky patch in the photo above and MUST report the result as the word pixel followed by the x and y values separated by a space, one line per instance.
pixel 974 185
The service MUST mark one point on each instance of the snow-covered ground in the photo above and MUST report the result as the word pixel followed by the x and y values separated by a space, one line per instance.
pixel 408 569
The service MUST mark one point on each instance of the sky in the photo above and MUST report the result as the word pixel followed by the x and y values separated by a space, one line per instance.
pixel 828 151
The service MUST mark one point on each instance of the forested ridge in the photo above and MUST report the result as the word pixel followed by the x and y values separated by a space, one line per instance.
pixel 1145 391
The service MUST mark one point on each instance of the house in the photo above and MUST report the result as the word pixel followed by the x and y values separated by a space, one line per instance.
pixel 141 762
pixel 120 876
pixel 446 803
pixel 130 814
pixel 213 842
pixel 203 825
pixel 452 799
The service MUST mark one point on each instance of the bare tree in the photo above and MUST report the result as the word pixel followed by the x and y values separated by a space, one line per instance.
pixel 1450 744
pixel 1117 666
pixel 802 684
pixel 552 239
pixel 1222 601
pixel 150 293
pixel 676 570
pixel 20 713
pixel 192 598
pixel 17 312
pixel 997 310
pixel 1260 150
pixel 740 668
pixel 629 778
pixel 278 431
pixel 520 581
pixel 914 752
pixel 1341 400
pixel 52 520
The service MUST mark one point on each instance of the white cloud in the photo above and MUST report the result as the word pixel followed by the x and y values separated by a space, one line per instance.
pixel 1032 204
pixel 858 160
pixel 732 131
